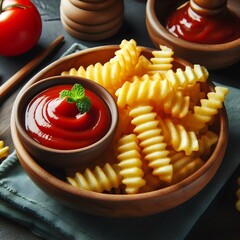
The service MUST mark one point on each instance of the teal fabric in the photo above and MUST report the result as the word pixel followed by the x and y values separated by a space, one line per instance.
pixel 22 201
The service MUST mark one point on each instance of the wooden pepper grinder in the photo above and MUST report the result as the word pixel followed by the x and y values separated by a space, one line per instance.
pixel 92 20
pixel 209 7
pixel 204 22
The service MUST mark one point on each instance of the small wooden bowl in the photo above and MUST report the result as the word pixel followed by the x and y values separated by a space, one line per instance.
pixel 57 157
pixel 212 56
pixel 114 205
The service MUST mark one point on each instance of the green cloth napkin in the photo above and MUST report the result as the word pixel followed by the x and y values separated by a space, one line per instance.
pixel 22 201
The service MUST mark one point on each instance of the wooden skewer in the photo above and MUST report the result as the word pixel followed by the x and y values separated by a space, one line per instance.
pixel 18 76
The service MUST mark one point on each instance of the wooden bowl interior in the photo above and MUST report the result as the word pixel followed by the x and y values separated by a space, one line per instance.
pixel 161 9
pixel 212 56
pixel 114 205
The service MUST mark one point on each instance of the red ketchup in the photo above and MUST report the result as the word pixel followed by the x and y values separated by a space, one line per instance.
pixel 190 26
pixel 55 123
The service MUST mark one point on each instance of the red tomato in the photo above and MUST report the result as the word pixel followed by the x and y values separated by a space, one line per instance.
pixel 20 27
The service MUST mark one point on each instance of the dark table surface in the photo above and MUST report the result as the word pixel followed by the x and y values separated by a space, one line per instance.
pixel 221 220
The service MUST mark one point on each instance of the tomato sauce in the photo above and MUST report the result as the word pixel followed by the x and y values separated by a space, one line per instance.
pixel 190 26
pixel 55 123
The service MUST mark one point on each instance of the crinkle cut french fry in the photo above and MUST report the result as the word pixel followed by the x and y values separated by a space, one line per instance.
pixel 4 151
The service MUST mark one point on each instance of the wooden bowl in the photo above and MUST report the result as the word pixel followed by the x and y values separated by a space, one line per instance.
pixel 212 56
pixel 115 205
pixel 63 158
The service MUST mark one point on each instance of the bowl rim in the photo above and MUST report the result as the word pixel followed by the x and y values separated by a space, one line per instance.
pixel 152 19
pixel 63 59
pixel 113 113
pixel 192 179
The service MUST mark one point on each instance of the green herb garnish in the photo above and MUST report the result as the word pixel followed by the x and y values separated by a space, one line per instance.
pixel 77 95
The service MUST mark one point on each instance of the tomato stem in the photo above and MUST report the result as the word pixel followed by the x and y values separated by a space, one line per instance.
pixel 1 3
pixel 11 6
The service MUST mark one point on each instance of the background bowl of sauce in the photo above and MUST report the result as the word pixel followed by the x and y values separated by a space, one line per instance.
pixel 53 130
pixel 208 36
